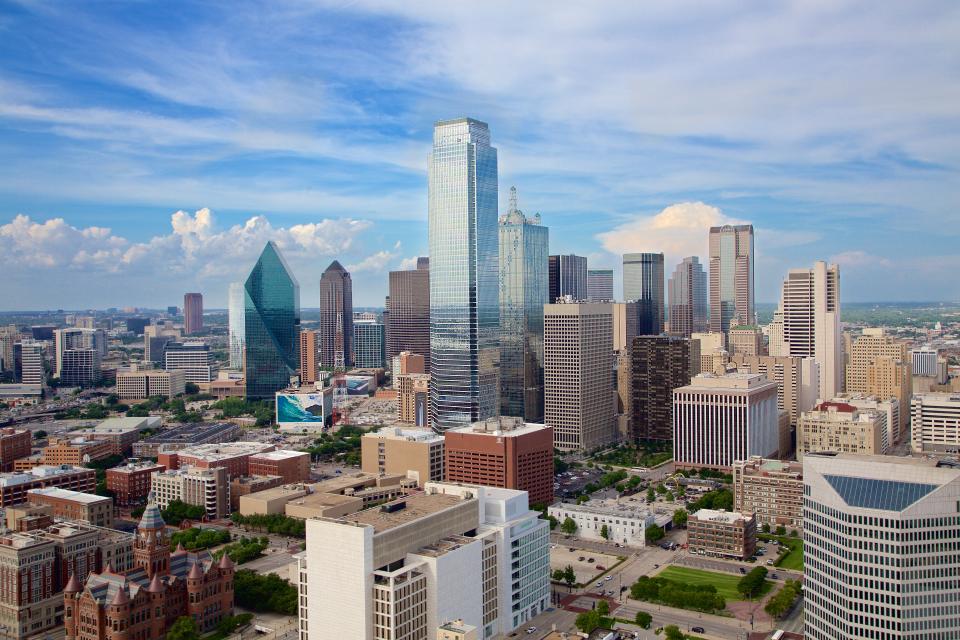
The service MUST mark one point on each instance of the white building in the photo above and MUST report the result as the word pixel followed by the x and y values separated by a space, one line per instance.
pixel 32 359
pixel 626 525
pixel 720 419
pixel 880 540
pixel 935 422
pixel 207 488
pixel 398 572
pixel 195 359
pixel 141 384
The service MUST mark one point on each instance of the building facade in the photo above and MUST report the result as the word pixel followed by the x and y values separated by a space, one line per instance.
pixel 797 379
pixel 192 313
pixel 731 276
pixel 130 483
pixel 722 533
pixel 413 399
pixel 408 328
pixel 14 486
pixel 14 444
pixel 567 276
pixel 309 357
pixel 396 450
pixel 369 344
pixel 643 284
pixel 935 423
pixel 770 489
pixel 841 428
pixel 624 525
pixel 600 285
pixel 880 365
pixel 195 359
pixel 660 365
pixel 292 466
pixel 687 298
pixel 140 385
pixel 236 335
pixel 75 505
pixel 208 488
pixel 336 317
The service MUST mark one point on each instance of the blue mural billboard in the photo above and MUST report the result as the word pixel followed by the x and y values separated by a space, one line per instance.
pixel 303 410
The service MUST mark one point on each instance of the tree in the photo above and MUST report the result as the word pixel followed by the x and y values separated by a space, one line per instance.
pixel 603 608
pixel 569 576
pixel 643 619
pixel 751 583
pixel 185 628
pixel 569 527
pixel 766 527
pixel 557 575
pixel 680 518
pixel 781 530
pixel 661 489
pixel 651 496
pixel 605 532
pixel 654 533
pixel 191 388
pixel 591 620
pixel 264 592
pixel 793 533
pixel 672 632
pixel 553 522
pixel 669 496
pixel 39 435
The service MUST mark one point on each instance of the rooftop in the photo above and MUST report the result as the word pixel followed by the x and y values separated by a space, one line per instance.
pixel 607 509
pixel 287 490
pixel 730 381
pixel 131 467
pixel 719 515
pixel 120 425
pixel 354 480
pixel 501 426
pixel 67 494
pixel 412 434
pixel 190 432
pixel 39 473
pixel 415 507
pixel 222 451
pixel 281 454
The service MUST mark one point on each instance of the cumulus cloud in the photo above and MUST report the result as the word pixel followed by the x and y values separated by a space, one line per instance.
pixel 408 264
pixel 678 230
pixel 377 262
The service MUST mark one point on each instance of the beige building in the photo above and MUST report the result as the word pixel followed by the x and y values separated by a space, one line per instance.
pixel 457 630
pixel 245 485
pixel 839 427
pixel 745 340
pixel 797 379
pixel 626 318
pixel 396 450
pixel 772 490
pixel 207 488
pixel 624 395
pixel 75 505
pixel 139 385
pixel 722 533
pixel 413 398
pixel 889 406
pixel 881 366
pixel 30 598
pixel 270 501
pixel 713 351
pixel 579 402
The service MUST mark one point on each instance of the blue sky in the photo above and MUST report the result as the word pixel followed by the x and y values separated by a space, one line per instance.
pixel 151 148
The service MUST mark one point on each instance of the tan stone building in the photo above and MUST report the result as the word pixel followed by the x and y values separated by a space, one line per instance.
pixel 880 365
pixel 839 427
pixel 75 505
pixel 746 340
pixel 396 450
pixel 770 489
pixel 142 384
pixel 722 533
pixel 797 379
pixel 413 398
pixel 76 451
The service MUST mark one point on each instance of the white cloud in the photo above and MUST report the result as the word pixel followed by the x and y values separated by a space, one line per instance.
pixel 376 262
pixel 858 258
pixel 408 264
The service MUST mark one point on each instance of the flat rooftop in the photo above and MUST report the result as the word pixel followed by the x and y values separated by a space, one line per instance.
pixel 714 515
pixel 288 490
pixel 320 499
pixel 222 451
pixel 418 506
pixel 622 510
pixel 132 467
pixel 38 473
pixel 501 426
pixel 122 425
pixel 411 434
pixel 340 483
pixel 281 454
pixel 189 433
pixel 729 381
pixel 67 494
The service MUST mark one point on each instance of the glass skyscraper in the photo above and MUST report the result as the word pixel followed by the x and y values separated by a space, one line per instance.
pixel 236 311
pixel 524 256
pixel 643 282
pixel 464 296
pixel 271 325
pixel 731 276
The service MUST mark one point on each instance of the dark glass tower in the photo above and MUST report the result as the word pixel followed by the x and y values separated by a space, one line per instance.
pixel 643 283
pixel 271 324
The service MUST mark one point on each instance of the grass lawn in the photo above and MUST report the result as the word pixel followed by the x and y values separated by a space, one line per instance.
pixel 725 583
pixel 792 560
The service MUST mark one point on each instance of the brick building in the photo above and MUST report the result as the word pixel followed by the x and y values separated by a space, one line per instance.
pixel 76 451
pixel 292 466
pixel 722 533
pixel 233 456
pixel 14 486
pixel 502 452
pixel 771 489
pixel 75 505
pixel 141 604
pixel 14 444
pixel 121 433
pixel 130 483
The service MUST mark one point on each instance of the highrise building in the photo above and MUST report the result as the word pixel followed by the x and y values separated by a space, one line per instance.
pixel 156 337
pixel 192 312
pixel 407 362
pixel 523 292
pixel 31 368
pixel 236 314
pixel 408 310
pixel 810 315
pixel 925 361
pixel 797 379
pixel 771 489
pixel 271 325
pixel 195 359
pixel 400 451
pixel 935 422
pixel 880 534
pixel 687 296
pixel 464 294
pixel 600 285
pixel 731 276
pixel 745 340
pixel 880 365
pixel 579 402
pixel 9 336
pixel 643 283
pixel 660 365
pixel 713 350
pixel 309 356
pixel 626 322
pixel 369 344
pixel 336 317
pixel 567 277
pixel 78 355
pixel 413 398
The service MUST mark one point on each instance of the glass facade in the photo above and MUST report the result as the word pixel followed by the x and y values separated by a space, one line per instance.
pixel 271 325
pixel 369 345
pixel 464 296
pixel 235 317
pixel 524 255
pixel 643 282
pixel 731 276
pixel 871 493
pixel 568 277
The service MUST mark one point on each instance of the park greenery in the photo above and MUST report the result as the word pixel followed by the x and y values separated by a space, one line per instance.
pixel 646 454
pixel 654 533
pixel 229 625
pixel 344 446
pixel 643 619
pixel 782 601
pixel 184 628
pixel 717 499
pixel 176 406
pixel 244 550
pixel 273 523
pixel 264 593
pixel 196 538
pixel 565 575
pixel 236 407
pixel 790 550
pixel 598 618
pixel 672 593
pixel 754 583
pixel 178 511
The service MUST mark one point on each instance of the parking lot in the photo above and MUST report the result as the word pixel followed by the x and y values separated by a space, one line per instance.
pixel 586 571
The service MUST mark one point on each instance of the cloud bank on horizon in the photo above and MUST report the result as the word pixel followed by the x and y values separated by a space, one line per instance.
pixel 832 127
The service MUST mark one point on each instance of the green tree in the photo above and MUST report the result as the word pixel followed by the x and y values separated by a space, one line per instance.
pixel 569 527
pixel 643 619
pixel 603 607
pixel 264 592
pixel 39 435
pixel 680 518
pixel 654 533
pixel 553 522
pixel 605 532
pixel 672 632
pixel 781 530
pixel 557 575
pixel 651 496
pixel 569 576
pixel 766 527
pixel 591 620
pixel 191 388
pixel 669 496
pixel 661 489
pixel 185 628
pixel 750 584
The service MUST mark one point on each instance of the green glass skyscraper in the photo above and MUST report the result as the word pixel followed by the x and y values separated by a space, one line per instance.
pixel 271 324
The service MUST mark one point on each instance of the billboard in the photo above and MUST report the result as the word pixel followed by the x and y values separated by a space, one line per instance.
pixel 303 411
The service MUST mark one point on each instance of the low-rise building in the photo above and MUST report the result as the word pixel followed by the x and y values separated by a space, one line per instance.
pixel 245 485
pixel 208 488
pixel 271 501
pixel 722 533
pixel 624 525
pixel 457 630
pixel 14 445
pixel 292 466
pixel 186 436
pixel 840 427
pixel 14 486
pixel 935 423
pixel 142 384
pixel 889 406
pixel 405 451
pixel 75 505
pixel 76 451
pixel 232 456
pixel 770 489
pixel 121 433
pixel 130 483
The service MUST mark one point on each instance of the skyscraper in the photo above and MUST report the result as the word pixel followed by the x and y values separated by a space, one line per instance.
pixel 568 277
pixel 235 318
pixel 731 276
pixel 660 365
pixel 880 365
pixel 523 292
pixel 643 282
pixel 408 308
pixel 336 317
pixel 687 294
pixel 308 357
pixel 464 255
pixel 600 285
pixel 78 354
pixel 192 312
pixel 271 325
pixel 810 315
pixel 369 344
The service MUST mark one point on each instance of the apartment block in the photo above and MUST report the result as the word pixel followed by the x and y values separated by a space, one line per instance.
pixel 142 384
pixel 722 533
pixel 14 444
pixel 397 450
pixel 770 489
pixel 208 488
pixel 14 486
pixel 839 427
pixel 935 423
pixel 292 466
pixel 130 483
pixel 75 505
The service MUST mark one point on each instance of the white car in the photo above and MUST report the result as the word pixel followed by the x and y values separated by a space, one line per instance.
pixel 599 584
pixel 531 630
pixel 608 578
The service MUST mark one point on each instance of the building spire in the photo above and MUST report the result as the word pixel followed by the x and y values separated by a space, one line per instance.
pixel 513 199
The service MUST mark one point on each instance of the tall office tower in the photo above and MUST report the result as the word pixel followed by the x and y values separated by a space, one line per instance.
pixel 687 295
pixel 195 359
pixel 568 277
pixel 475 553
pixel 925 361
pixel 660 365
pixel 718 420
pixel 235 319
pixel 31 371
pixel 369 344
pixel 798 380
pixel 336 317
pixel 78 355
pixel 408 308
pixel 746 340
pixel 600 285
pixel 464 255
pixel 309 356
pixel 192 312
pixel 271 325
pixel 9 335
pixel 578 360
pixel 523 292
pixel 810 313
pixel 935 422
pixel 643 283
pixel 731 276
pixel 880 365
pixel 882 534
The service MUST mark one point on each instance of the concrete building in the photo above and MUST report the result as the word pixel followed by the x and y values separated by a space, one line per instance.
pixel 369 344
pixel 309 357
pixel 14 445
pixel 880 365
pixel 712 348
pixel 643 284
pixel 747 340
pixel 502 452
pixel 797 379
pixel 718 420
pixel 772 490
pixel 924 361
pixel 579 402
pixel 722 533
pixel 625 525
pixel 75 505
pixel 121 433
pixel 77 355
pixel 292 466
pixel 889 407
pixel 155 340
pixel 195 359
pixel 935 423
pixel 232 456
pixel 839 427
pixel 600 285
pixel 76 451
pixel 14 486
pixel 626 323
pixel 408 312
pixel 687 299
pixel 336 317
pixel 567 276
pixel 247 485
pixel 208 488
pixel 192 313
pixel 396 450
pixel 141 384
pixel 624 371
pixel 271 501
pixel 880 535
pixel 731 276
pixel 130 483
pixel 413 398
pixel 31 363
pixel 660 365
pixel 457 630
pixel 186 436
pixel 473 553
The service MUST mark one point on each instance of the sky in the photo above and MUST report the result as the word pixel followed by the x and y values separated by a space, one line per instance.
pixel 148 149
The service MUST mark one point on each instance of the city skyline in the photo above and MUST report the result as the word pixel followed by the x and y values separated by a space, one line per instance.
pixel 318 142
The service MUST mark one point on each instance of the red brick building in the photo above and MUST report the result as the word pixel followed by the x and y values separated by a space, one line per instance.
pixel 141 604
pixel 130 483
pixel 292 466
pixel 233 456
pixel 14 486
pixel 14 444
pixel 502 452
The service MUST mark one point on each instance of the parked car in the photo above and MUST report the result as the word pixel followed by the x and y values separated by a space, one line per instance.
pixel 742 570
pixel 590 560
pixel 601 567
pixel 769 563
pixel 697 630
